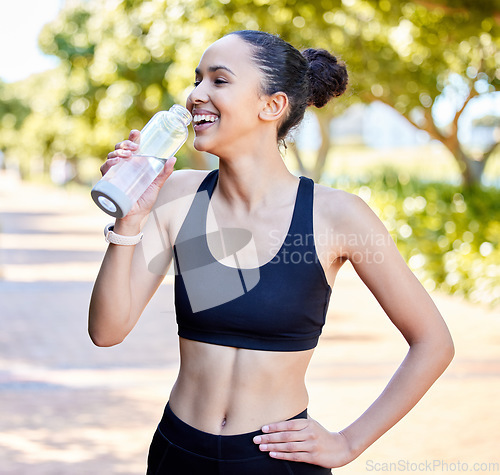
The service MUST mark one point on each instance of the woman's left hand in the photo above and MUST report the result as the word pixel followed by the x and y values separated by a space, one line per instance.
pixel 305 440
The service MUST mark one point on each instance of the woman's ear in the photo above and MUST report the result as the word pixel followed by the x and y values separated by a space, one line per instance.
pixel 274 107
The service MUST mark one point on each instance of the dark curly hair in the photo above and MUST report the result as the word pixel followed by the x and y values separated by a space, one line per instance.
pixel 310 78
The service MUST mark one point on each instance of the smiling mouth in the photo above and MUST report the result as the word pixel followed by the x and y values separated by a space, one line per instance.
pixel 204 119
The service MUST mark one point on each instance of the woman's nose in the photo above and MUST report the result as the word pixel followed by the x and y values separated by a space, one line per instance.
pixel 198 95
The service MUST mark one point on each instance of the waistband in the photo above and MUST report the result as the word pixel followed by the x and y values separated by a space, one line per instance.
pixel 215 446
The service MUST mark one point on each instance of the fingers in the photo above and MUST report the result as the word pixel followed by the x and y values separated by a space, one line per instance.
pixel 283 433
pixel 288 440
pixel 294 450
pixel 135 136
pixel 114 158
pixel 127 145
pixel 124 149
pixel 281 439
pixel 297 446
pixel 304 440
pixel 304 456
pixel 120 153
pixel 132 143
pixel 293 424
pixel 108 164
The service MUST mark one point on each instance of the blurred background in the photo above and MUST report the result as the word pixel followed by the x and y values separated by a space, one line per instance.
pixel 416 136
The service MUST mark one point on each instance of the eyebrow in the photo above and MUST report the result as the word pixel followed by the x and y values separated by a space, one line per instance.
pixel 213 69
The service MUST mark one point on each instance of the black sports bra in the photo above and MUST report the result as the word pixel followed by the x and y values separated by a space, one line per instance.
pixel 280 306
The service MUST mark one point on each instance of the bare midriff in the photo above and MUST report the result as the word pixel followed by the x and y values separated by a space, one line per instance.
pixel 226 390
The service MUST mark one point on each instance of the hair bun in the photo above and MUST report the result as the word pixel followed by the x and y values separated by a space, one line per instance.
pixel 327 77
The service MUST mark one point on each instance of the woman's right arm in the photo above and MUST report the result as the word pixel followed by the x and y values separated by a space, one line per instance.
pixel 114 308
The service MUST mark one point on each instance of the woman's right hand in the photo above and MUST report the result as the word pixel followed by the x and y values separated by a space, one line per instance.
pixel 125 151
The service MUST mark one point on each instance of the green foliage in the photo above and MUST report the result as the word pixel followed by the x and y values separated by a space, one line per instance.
pixel 117 55
pixel 123 60
pixel 450 238
pixel 13 110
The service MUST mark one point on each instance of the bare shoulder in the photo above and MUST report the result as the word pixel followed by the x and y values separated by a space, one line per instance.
pixel 340 206
pixel 176 197
pixel 181 183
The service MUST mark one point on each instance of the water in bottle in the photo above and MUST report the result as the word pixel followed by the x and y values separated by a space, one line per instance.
pixel 125 182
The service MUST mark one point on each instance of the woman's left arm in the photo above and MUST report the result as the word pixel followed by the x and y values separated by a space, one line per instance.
pixel 374 256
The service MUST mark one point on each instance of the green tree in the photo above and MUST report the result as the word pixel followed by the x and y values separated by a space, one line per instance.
pixel 431 43
pixel 32 120
pixel 116 57
pixel 123 60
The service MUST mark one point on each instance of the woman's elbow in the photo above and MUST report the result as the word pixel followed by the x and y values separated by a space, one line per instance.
pixel 102 340
pixel 437 346
pixel 104 329
pixel 443 349
pixel 448 349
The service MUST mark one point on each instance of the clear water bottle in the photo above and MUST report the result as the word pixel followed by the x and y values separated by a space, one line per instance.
pixel 124 183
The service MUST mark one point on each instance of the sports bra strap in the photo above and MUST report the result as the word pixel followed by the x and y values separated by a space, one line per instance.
pixel 209 182
pixel 302 220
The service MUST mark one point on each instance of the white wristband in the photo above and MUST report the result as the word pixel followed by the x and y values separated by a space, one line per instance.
pixel 119 239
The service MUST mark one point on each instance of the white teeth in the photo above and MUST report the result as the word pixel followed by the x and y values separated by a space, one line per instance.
pixel 207 118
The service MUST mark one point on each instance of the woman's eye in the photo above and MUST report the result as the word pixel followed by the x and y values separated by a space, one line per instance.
pixel 217 82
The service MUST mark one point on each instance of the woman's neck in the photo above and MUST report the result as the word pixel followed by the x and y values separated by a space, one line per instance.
pixel 250 180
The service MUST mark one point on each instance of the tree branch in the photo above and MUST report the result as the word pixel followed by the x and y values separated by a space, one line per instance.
pixel 413 123
pixel 324 119
pixel 430 127
pixel 298 157
pixel 472 93
pixel 490 152
pixel 432 5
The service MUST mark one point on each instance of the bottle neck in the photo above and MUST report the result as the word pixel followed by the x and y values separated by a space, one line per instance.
pixel 182 113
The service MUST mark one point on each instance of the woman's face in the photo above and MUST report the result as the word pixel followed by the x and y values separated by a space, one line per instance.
pixel 226 100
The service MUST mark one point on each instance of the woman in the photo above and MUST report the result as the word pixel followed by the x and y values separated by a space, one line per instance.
pixel 249 317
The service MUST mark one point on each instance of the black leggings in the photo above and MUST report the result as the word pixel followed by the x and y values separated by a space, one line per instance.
pixel 179 449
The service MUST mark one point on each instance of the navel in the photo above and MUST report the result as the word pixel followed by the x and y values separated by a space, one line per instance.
pixel 223 422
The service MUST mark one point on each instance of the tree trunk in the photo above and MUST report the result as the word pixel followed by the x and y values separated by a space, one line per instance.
pixel 324 127
pixel 322 154
pixel 298 157
pixel 25 167
pixel 472 171
pixel 75 176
